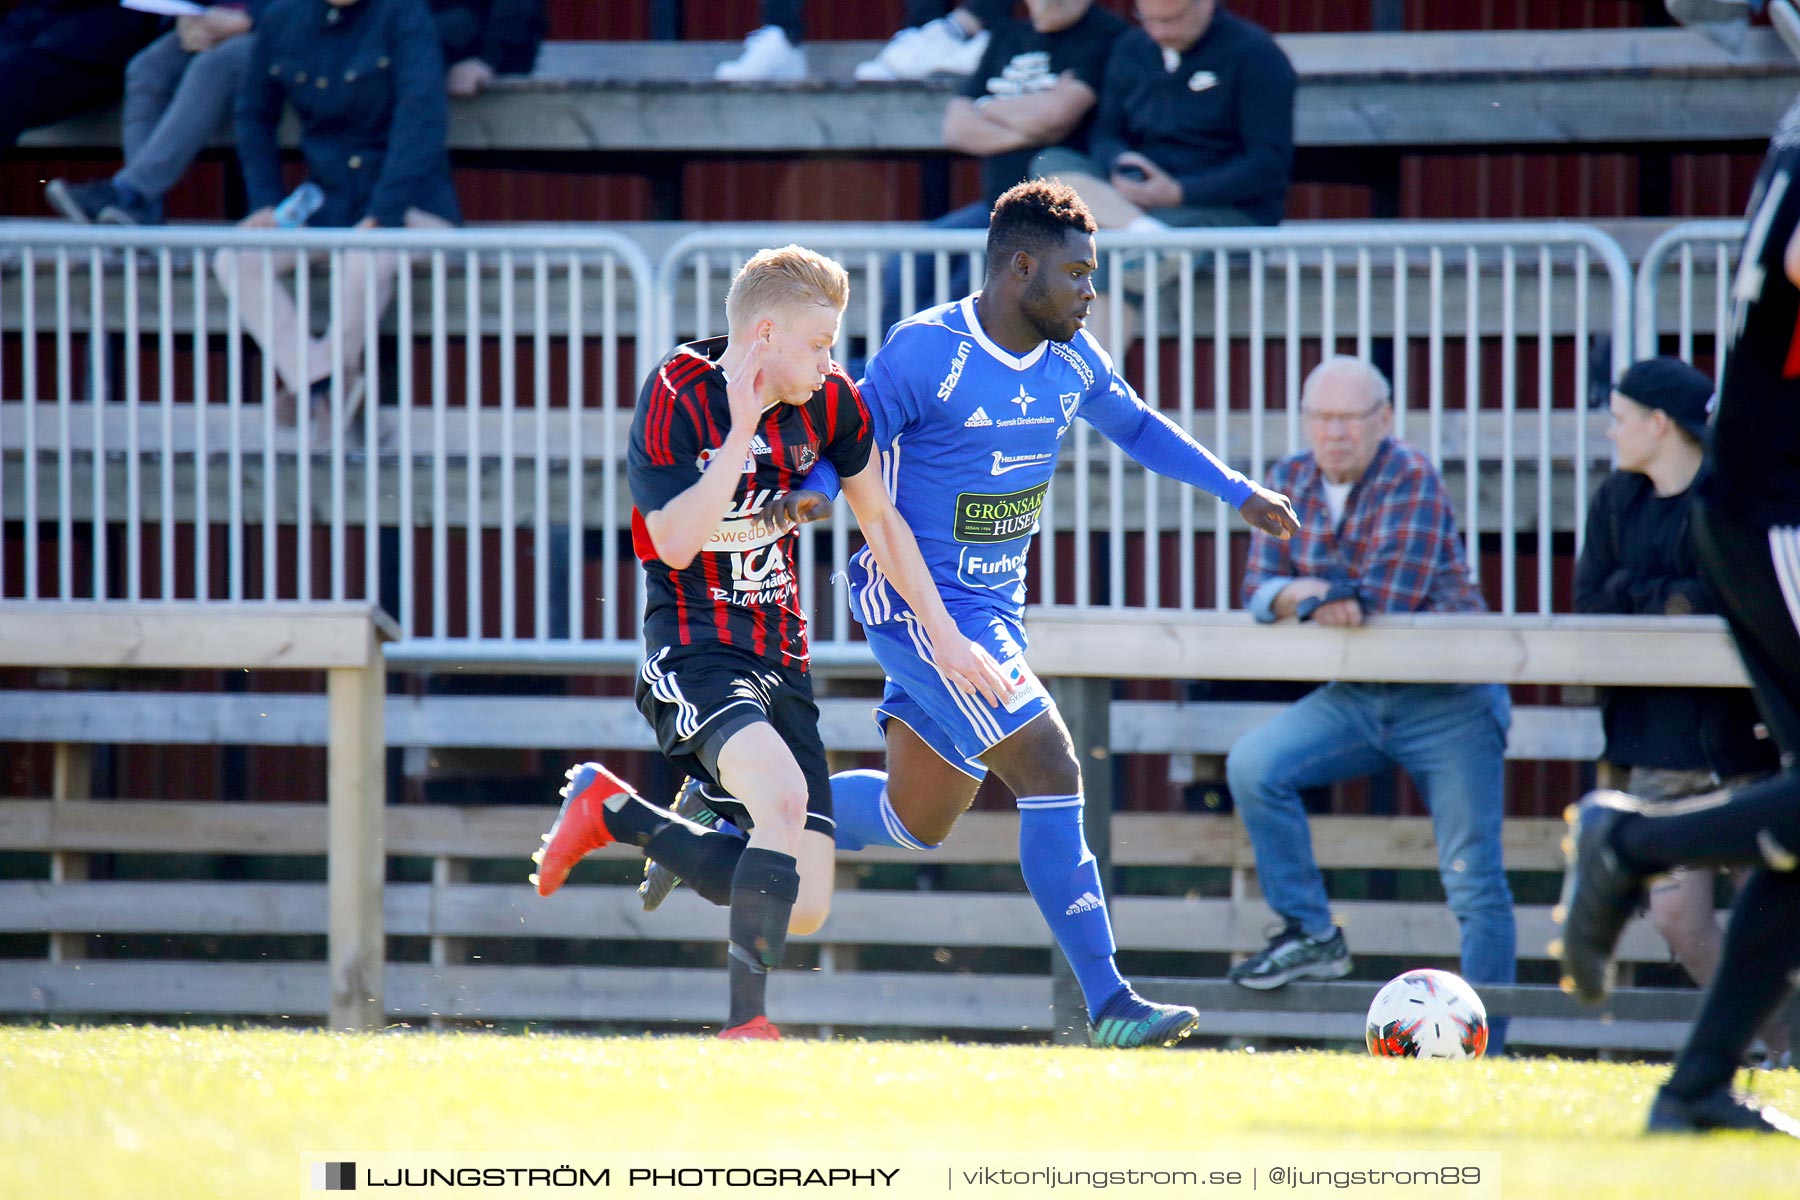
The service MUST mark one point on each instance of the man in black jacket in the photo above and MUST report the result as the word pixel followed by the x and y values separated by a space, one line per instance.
pixel 1747 533
pixel 1639 558
pixel 1195 126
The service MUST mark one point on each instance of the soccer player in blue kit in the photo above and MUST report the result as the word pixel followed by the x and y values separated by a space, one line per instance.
pixel 970 402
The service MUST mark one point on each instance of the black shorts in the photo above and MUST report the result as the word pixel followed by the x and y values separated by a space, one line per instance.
pixel 696 697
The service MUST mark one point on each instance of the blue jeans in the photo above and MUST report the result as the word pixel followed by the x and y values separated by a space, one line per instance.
pixel 1451 738
pixel 174 103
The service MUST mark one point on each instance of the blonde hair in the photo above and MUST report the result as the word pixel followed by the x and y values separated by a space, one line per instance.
pixel 786 277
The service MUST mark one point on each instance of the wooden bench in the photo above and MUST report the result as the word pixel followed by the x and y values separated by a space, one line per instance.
pixel 450 911
pixel 344 641
pixel 1358 92
pixel 950 923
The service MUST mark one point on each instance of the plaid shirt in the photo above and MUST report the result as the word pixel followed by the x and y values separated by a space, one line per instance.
pixel 1397 545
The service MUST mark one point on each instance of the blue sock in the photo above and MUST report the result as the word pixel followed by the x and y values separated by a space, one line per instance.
pixel 1064 878
pixel 859 802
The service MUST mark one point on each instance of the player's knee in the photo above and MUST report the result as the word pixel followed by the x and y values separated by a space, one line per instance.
pixel 809 914
pixel 1049 768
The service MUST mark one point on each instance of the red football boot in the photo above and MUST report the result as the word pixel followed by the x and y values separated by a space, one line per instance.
pixel 580 826
pixel 756 1029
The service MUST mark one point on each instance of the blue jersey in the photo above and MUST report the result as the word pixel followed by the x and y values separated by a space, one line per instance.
pixel 969 434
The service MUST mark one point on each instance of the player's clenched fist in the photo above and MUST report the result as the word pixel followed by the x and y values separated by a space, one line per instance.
pixel 1270 512
pixel 802 506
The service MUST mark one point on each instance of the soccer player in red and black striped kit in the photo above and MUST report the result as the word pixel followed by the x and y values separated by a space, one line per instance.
pixel 726 431
pixel 1747 535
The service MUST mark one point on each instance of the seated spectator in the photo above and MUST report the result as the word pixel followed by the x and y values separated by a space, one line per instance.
pixel 1196 124
pixel 62 58
pixel 1037 85
pixel 179 91
pixel 366 80
pixel 933 43
pixel 485 38
pixel 1377 535
pixel 1638 558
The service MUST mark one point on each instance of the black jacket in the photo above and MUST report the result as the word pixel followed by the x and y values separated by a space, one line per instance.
pixel 1221 121
pixel 1639 558
pixel 367 82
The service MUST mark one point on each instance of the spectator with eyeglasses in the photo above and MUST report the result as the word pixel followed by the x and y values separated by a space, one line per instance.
pixel 1377 535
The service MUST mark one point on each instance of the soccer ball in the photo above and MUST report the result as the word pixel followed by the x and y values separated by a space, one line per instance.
pixel 1427 1014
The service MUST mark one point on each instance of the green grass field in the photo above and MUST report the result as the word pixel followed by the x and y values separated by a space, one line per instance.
pixel 185 1113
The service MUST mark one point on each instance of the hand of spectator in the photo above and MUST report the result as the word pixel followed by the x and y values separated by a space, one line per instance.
pixel 1287 601
pixel 367 223
pixel 1156 189
pixel 1270 512
pixel 467 78
pixel 195 34
pixel 224 22
pixel 262 218
pixel 1340 614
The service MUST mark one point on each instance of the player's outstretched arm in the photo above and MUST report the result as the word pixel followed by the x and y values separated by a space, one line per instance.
pixel 966 663
pixel 683 526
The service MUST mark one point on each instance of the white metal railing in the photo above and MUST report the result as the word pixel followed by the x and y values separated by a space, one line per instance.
pixel 152 463
pixel 1702 256
pixel 483 497
pixel 1506 410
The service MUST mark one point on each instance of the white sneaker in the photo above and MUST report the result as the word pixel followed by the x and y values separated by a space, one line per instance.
pixel 1787 25
pixel 768 57
pixel 936 48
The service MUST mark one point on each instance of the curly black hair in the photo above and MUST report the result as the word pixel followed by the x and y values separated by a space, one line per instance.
pixel 1034 216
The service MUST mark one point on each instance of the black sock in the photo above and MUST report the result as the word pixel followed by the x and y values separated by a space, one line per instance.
pixel 763 891
pixel 706 859
pixel 1758 826
pixel 1762 948
pixel 634 820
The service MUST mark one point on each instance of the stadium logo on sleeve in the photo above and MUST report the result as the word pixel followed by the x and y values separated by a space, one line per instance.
pixel 947 388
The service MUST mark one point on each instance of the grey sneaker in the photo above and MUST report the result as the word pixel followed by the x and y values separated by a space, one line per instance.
pixel 659 881
pixel 1291 955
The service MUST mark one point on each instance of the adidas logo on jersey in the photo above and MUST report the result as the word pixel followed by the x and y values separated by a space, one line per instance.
pixel 757 445
pixel 1088 903
pixel 977 419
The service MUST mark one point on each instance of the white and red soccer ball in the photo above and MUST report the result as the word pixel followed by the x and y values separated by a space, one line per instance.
pixel 1427 1014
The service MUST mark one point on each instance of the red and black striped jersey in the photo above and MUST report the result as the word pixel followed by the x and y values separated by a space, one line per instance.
pixel 741 589
pixel 1756 430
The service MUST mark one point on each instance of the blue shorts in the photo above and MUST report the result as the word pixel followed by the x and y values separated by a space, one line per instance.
pixel 959 728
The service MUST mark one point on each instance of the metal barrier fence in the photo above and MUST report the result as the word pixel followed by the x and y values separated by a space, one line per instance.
pixel 1199 315
pixel 147 455
pixel 1702 255
pixel 152 458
